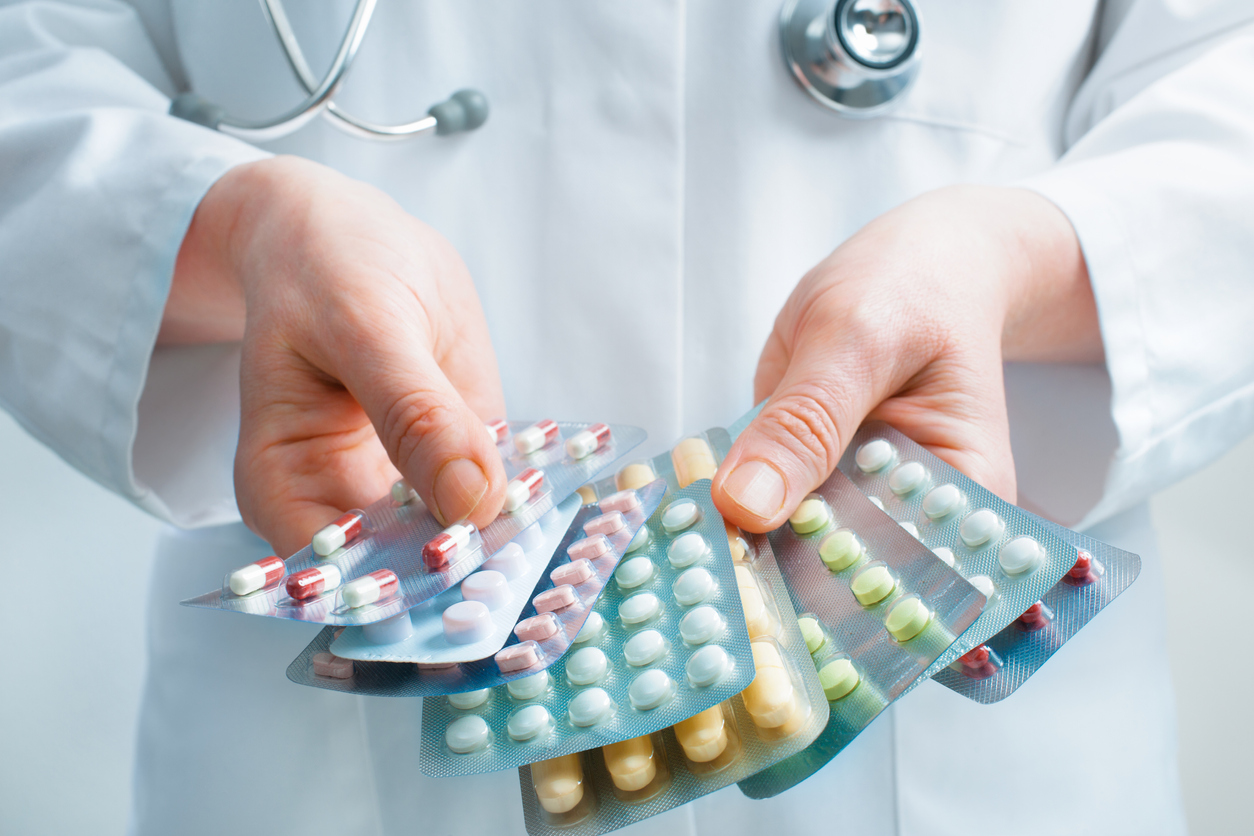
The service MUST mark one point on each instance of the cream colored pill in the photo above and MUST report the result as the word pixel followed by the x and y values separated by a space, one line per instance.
pixel 872 585
pixel 634 572
pixel 592 628
pixel 874 455
pixel 639 608
pixel 757 616
pixel 586 665
pixel 631 763
pixel 679 515
pixel 634 476
pixel 946 554
pixel 693 587
pixel 707 666
pixel 529 687
pixel 589 707
pixel 1020 555
pixel 644 648
pixel 701 625
pixel 529 723
pixel 980 527
pixel 693 459
pixel 469 699
pixel 942 501
pixel 906 618
pixel 811 515
pixel 558 783
pixel 703 736
pixel 688 548
pixel 467 734
pixel 770 699
pixel 840 550
pixel 838 677
pixel 650 689
pixel 907 478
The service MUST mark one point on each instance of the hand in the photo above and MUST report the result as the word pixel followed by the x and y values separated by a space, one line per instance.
pixel 909 322
pixel 365 349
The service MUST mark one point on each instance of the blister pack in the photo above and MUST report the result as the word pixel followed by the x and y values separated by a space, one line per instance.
pixel 877 609
pixel 573 578
pixel 373 564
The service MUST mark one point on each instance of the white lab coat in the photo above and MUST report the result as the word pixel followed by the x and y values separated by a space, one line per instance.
pixel 648 189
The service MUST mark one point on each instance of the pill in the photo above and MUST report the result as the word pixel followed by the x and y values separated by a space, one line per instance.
pixel 586 442
pixel 693 459
pixel 757 616
pixel 1085 571
pixel 522 488
pixel 574 573
pixel 770 699
pixel 984 584
pixel 837 678
pixel 980 527
pixel 589 707
pixel 467 734
pixel 631 763
pixel 840 550
pixel 707 666
pixel 680 515
pixel 443 548
pixel 634 572
pixel 538 435
pixel 874 455
pixel 907 478
pixel 605 525
pixel 644 648
pixel 517 657
pixel 592 629
pixel 907 617
pixel 510 561
pixel 338 533
pixel 589 548
pixel 558 783
pixel 528 687
pixel 811 515
pixel 265 572
pixel 528 723
pixel 946 555
pixel 911 529
pixel 587 496
pixel 538 628
pixel 466 622
pixel 634 476
pixel 942 501
pixel 980 663
pixel 643 538
pixel 687 549
pixel 498 430
pixel 736 541
pixel 327 664
pixel 402 493
pixel 812 633
pixel 586 666
pixel 469 699
pixel 701 625
pixel 693 587
pixel 378 585
pixel 389 630
pixel 703 736
pixel 650 689
pixel 639 608
pixel 557 598
pixel 1035 617
pixel 1020 555
pixel 872 584
pixel 487 586
pixel 876 501
pixel 623 502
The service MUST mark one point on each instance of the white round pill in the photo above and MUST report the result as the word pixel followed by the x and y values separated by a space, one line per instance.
pixel 1022 554
pixel 877 502
pixel 650 689
pixel 639 608
pixel 942 501
pixel 589 707
pixel 488 586
pixel 980 527
pixel 466 622
pixel 687 549
pixel 469 699
pixel 701 625
pixel 707 666
pixel 907 478
pixel 467 734
pixel 874 455
pixel 680 515
pixel 644 648
pixel 642 539
pixel 912 530
pixel 528 722
pixel 946 554
pixel 586 665
pixel 985 585
pixel 592 628
pixel 529 687
pixel 634 572
pixel 510 561
pixel 693 587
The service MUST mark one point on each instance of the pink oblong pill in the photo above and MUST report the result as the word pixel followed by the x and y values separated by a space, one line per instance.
pixel 326 664
pixel 589 549
pixel 517 657
pixel 574 573
pixel 623 502
pixel 605 524
pixel 537 628
pixel 557 598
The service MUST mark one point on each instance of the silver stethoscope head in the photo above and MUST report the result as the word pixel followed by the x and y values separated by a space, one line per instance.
pixel 465 110
pixel 856 57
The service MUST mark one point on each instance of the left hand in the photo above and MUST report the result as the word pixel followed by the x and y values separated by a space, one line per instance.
pixel 909 322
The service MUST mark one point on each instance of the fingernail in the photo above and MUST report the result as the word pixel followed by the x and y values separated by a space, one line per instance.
pixel 459 486
pixel 756 487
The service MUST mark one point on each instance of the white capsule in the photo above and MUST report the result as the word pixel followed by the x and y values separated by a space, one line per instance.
pixel 644 648
pixel 907 478
pixel 469 699
pixel 589 707
pixel 1020 555
pixel 980 527
pixel 707 666
pixel 942 501
pixel 874 455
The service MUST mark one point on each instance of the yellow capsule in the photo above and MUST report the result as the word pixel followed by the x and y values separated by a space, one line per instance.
pixel 693 459
pixel 558 783
pixel 703 736
pixel 631 763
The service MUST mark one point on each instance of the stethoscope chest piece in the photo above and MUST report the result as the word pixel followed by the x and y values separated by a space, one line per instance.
pixel 857 57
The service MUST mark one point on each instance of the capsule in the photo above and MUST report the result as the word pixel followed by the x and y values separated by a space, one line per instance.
pixel 1085 571
pixel 980 663
pixel 259 575
pixel 538 435
pixel 498 430
pixel 693 459
pixel 586 442
pixel 338 533
pixel 631 763
pixel 522 488
pixel 1035 617
pixel 703 736
pixel 558 783
pixel 310 583
pixel 440 550
pixel 376 586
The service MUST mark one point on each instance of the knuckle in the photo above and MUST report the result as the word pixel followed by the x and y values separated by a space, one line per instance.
pixel 807 427
pixel 410 421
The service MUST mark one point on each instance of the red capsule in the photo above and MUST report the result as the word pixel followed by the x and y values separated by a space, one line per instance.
pixel 1035 617
pixel 498 430
pixel 1085 571
pixel 309 583
pixel 443 547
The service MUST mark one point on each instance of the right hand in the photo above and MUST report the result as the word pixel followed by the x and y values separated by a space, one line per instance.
pixel 365 349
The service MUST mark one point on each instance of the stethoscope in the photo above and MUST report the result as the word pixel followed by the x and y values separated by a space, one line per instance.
pixel 857 57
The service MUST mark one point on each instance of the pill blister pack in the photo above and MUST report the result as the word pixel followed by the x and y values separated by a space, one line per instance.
pixel 776 716
pixel 877 609
pixel 1012 556
pixel 559 604
pixel 666 640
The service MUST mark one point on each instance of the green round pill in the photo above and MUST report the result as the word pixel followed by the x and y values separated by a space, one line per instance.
pixel 838 677
pixel 812 632
pixel 840 550
pixel 872 585
pixel 810 516
pixel 907 618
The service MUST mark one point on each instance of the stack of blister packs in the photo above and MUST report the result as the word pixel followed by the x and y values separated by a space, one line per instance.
pixel 627 651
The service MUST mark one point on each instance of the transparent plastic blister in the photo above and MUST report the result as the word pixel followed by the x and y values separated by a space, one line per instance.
pixel 558 603
pixel 373 564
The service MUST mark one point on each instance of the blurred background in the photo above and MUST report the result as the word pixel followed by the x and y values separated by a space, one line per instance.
pixel 70 677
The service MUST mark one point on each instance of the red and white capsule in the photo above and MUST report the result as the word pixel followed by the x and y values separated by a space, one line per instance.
pixel 338 533
pixel 259 575
pixel 586 442
pixel 443 547
pixel 539 434
pixel 522 488
pixel 310 583
pixel 498 430
pixel 379 585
